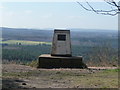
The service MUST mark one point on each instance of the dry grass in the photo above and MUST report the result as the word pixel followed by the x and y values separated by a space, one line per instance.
pixel 60 78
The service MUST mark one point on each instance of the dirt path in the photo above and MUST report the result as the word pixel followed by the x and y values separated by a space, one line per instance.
pixel 21 76
pixel 102 68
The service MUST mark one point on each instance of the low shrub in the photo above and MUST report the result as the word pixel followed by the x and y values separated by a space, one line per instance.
pixel 34 63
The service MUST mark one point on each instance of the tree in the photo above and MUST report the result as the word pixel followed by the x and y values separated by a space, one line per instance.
pixel 104 55
pixel 115 8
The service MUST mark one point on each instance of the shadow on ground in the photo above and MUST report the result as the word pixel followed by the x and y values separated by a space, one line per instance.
pixel 8 83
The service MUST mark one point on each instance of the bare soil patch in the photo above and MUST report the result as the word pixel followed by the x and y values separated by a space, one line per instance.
pixel 21 76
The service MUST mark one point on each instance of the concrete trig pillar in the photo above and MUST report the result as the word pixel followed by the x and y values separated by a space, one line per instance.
pixel 61 44
pixel 61 54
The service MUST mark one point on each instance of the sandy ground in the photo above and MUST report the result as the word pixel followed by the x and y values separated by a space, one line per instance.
pixel 21 76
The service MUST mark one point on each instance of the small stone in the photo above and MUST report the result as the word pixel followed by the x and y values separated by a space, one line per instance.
pixel 57 72
pixel 18 75
pixel 24 84
pixel 64 82
pixel 95 85
pixel 77 86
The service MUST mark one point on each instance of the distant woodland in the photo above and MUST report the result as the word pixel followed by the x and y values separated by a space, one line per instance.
pixel 98 47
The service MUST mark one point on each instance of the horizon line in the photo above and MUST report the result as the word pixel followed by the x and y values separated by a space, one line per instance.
pixel 59 28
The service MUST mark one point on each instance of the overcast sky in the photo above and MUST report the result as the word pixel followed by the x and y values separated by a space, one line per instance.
pixel 55 15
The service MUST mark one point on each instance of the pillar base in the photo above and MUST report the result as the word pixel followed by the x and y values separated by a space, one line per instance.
pixel 48 61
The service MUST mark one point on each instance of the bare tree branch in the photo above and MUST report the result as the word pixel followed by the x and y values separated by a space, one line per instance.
pixel 113 11
pixel 110 2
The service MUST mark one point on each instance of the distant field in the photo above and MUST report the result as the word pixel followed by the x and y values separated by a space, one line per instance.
pixel 23 42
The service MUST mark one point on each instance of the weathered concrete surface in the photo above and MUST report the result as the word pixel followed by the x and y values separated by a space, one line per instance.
pixel 48 61
pixel 61 44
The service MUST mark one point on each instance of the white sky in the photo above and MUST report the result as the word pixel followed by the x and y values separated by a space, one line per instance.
pixel 55 15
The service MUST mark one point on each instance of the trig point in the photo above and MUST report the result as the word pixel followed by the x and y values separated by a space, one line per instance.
pixel 61 53
pixel 61 45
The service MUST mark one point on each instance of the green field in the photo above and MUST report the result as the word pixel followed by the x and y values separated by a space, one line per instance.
pixel 23 42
